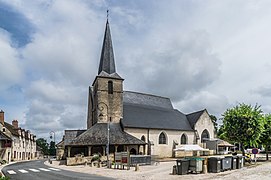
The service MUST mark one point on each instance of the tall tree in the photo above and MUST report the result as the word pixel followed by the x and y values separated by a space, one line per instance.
pixel 42 143
pixel 265 138
pixel 52 149
pixel 214 120
pixel 244 124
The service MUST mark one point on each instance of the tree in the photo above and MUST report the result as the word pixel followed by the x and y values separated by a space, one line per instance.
pixel 42 143
pixel 52 149
pixel 265 138
pixel 214 120
pixel 244 124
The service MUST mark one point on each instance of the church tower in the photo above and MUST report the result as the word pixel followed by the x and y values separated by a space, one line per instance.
pixel 105 102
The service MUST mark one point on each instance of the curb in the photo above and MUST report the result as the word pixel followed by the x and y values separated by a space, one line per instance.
pixel 1 167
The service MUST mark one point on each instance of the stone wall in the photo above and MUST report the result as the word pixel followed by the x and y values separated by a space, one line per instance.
pixel 203 123
pixel 161 150
pixel 110 106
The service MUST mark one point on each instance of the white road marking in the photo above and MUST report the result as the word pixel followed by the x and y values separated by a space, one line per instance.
pixel 23 171
pixel 43 169
pixel 11 172
pixel 54 169
pixel 34 170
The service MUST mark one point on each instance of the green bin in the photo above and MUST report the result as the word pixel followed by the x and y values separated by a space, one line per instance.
pixel 195 164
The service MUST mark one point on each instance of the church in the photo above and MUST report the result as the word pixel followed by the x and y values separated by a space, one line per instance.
pixel 134 122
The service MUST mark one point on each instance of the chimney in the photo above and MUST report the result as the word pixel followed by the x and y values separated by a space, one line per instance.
pixel 15 124
pixel 2 117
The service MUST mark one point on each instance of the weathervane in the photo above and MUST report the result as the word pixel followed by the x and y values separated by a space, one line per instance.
pixel 107 13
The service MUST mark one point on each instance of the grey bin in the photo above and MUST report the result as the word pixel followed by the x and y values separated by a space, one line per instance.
pixel 214 164
pixel 234 162
pixel 226 163
pixel 195 164
pixel 182 166
pixel 240 162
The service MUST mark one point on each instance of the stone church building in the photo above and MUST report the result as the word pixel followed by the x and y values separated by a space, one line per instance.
pixel 132 121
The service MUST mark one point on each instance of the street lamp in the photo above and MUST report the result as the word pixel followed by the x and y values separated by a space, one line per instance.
pixel 51 136
pixel 101 108
pixel 52 132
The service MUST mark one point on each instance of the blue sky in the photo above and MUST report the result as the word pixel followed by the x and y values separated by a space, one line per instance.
pixel 202 54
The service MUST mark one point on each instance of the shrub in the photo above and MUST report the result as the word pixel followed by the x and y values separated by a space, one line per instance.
pixel 4 178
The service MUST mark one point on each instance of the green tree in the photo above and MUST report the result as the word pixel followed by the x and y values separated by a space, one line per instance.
pixel 42 143
pixel 52 149
pixel 244 124
pixel 265 138
pixel 214 120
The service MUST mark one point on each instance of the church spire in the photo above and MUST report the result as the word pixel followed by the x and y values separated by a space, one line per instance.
pixel 107 62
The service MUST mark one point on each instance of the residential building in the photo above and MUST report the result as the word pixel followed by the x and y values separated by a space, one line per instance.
pixel 16 143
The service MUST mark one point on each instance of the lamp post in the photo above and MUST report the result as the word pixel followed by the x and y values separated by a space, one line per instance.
pixel 101 108
pixel 52 132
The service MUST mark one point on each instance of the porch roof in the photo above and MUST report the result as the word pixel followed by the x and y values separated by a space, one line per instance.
pixel 97 135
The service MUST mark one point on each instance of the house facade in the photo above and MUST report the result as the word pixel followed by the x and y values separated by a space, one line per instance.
pixel 132 121
pixel 16 143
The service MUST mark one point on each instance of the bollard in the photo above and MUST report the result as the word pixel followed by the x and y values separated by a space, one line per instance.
pixel 174 170
pixel 205 168
pixel 137 167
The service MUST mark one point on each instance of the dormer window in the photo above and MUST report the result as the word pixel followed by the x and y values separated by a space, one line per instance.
pixel 110 87
pixel 4 130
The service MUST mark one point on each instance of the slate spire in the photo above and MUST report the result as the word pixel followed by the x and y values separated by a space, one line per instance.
pixel 107 62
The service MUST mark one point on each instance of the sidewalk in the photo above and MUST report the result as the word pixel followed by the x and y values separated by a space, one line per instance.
pixel 163 170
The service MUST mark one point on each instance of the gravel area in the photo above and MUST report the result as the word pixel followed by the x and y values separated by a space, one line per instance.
pixel 163 170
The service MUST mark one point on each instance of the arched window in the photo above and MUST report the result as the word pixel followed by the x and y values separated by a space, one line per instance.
pixel 162 138
pixel 110 87
pixel 143 138
pixel 204 135
pixel 183 139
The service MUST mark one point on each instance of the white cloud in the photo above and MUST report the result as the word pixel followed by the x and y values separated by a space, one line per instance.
pixel 215 104
pixel 10 73
pixel 210 54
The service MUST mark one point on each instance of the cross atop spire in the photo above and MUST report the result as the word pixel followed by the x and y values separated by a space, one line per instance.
pixel 107 62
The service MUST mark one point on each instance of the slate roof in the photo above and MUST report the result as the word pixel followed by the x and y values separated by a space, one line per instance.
pixel 97 135
pixel 151 117
pixel 146 99
pixel 193 117
pixel 107 62
pixel 71 134
pixel 4 137
pixel 12 129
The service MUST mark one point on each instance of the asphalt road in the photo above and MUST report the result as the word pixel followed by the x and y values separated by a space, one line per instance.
pixel 36 170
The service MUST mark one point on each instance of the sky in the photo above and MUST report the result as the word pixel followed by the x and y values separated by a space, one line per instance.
pixel 202 54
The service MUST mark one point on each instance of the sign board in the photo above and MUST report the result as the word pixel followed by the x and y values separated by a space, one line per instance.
pixel 255 151
pixel 122 158
pixel 117 157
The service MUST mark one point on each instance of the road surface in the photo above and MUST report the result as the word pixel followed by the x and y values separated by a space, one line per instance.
pixel 36 170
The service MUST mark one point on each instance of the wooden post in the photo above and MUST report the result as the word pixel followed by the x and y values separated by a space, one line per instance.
pixel 69 151
pixel 205 166
pixel 89 150
pixel 103 150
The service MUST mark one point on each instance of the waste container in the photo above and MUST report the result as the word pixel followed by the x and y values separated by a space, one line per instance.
pixel 182 166
pixel 195 164
pixel 214 164
pixel 226 163
pixel 234 162
pixel 239 162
